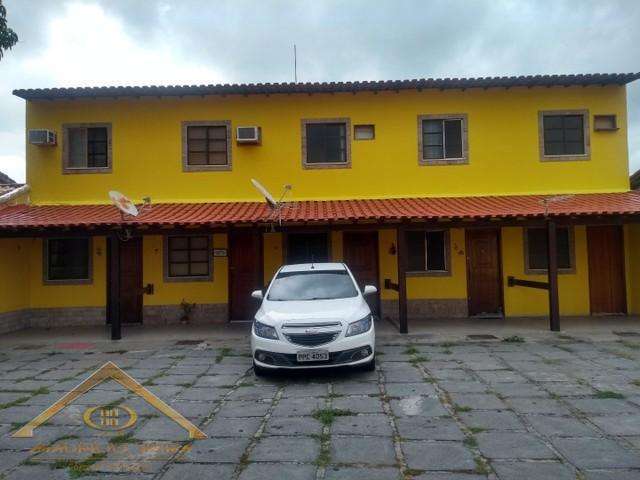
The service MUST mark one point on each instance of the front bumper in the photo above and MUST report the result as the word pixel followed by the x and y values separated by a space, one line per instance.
pixel 354 356
pixel 342 351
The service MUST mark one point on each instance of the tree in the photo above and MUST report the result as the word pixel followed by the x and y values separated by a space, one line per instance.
pixel 8 37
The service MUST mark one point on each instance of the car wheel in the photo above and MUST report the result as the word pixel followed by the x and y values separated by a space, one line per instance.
pixel 370 366
pixel 260 371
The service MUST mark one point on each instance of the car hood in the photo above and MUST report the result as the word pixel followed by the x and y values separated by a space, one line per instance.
pixel 312 311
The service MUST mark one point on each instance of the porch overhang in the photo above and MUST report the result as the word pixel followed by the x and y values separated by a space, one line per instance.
pixel 508 209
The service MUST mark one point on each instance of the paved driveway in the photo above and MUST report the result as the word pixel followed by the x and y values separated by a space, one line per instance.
pixel 559 409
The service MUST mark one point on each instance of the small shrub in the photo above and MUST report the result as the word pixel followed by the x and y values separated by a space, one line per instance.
pixel 608 394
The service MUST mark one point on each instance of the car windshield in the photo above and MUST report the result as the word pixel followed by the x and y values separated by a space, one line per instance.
pixel 322 285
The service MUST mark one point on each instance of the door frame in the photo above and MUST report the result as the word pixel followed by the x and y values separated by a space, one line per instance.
pixel 498 231
pixel 110 274
pixel 620 228
pixel 376 235
pixel 230 266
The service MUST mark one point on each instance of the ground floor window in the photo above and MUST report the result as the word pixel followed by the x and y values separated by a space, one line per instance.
pixel 536 249
pixel 188 258
pixel 428 251
pixel 307 247
pixel 67 260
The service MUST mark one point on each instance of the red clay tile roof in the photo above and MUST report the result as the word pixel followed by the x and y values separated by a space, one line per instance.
pixel 330 87
pixel 199 214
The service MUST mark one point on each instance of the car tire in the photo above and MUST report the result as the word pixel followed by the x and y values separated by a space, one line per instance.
pixel 260 371
pixel 369 366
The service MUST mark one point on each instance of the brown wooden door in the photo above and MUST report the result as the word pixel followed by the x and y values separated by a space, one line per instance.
pixel 484 283
pixel 245 273
pixel 360 250
pixel 131 281
pixel 606 269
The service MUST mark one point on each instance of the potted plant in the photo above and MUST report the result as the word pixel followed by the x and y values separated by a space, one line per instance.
pixel 187 309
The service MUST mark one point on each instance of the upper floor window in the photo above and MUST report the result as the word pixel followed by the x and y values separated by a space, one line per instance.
pixel 428 252
pixel 326 143
pixel 87 148
pixel 536 260
pixel 443 139
pixel 67 260
pixel 564 135
pixel 206 146
pixel 187 257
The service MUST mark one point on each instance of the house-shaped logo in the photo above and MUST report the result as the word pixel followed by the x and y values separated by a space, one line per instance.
pixel 109 417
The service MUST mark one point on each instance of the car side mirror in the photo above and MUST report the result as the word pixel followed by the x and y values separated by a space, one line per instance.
pixel 369 290
pixel 257 294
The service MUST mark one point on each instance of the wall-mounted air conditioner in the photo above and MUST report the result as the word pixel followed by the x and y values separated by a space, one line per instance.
pixel 251 135
pixel 42 137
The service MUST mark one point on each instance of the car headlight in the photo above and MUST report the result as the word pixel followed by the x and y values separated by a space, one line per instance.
pixel 265 331
pixel 361 326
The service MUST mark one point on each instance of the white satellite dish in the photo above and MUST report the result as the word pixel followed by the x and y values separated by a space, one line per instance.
pixel 123 203
pixel 265 193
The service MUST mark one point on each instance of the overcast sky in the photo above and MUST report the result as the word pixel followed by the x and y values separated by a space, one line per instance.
pixel 139 42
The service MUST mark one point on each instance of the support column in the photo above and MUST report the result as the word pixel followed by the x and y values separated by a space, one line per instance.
pixel 402 279
pixel 552 257
pixel 113 286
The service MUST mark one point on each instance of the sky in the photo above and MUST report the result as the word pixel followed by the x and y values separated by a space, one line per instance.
pixel 145 42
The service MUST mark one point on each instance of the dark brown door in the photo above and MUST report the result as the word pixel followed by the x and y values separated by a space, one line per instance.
pixel 245 273
pixel 361 255
pixel 131 281
pixel 483 272
pixel 606 269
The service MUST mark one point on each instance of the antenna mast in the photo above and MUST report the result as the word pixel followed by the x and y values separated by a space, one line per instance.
pixel 295 64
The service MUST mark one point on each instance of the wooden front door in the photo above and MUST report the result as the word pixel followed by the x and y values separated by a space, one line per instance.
pixel 484 282
pixel 606 269
pixel 360 251
pixel 245 273
pixel 130 304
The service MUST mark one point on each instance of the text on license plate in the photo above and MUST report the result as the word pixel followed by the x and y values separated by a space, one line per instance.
pixel 313 355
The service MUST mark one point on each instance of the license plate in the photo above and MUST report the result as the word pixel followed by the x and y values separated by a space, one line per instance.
pixel 313 355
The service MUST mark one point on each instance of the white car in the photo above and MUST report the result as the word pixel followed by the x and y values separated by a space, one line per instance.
pixel 313 315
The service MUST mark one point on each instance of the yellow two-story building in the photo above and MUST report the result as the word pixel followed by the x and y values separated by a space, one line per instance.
pixel 504 196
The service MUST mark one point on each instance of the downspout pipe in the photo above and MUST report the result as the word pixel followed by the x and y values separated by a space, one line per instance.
pixel 7 197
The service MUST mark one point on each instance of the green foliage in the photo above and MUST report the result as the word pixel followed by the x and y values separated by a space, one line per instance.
pixel 8 38
pixel 608 394
pixel 513 339
pixel 326 416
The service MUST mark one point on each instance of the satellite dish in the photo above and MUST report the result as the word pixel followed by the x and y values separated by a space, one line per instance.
pixel 123 204
pixel 265 193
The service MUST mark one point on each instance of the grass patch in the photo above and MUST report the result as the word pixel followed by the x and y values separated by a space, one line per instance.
pixel 79 468
pixel 224 352
pixel 67 437
pixel 566 349
pixel 608 394
pixel 429 380
pixel 476 430
pixel 151 380
pixel 418 359
pixel 635 382
pixel 324 458
pixel 447 344
pixel 447 352
pixel 470 442
pixel 40 391
pixel 552 361
pixel 119 352
pixel 481 467
pixel 122 439
pixel 631 345
pixel 513 339
pixel 461 408
pixel 17 401
pixel 326 416
pixel 411 350
pixel 413 472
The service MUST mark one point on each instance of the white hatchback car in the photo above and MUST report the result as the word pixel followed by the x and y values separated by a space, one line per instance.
pixel 313 316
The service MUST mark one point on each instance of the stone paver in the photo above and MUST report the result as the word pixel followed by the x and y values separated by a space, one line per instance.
pixel 536 410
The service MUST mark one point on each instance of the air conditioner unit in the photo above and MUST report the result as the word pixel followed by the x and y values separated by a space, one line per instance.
pixel 42 137
pixel 248 135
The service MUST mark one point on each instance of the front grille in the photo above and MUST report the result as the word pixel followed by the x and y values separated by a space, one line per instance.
pixel 311 339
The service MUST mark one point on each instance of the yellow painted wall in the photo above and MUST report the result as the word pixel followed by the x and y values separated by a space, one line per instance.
pixel 172 293
pixel 14 274
pixel 503 146
pixel 632 249
pixel 453 286
pixel 49 296
pixel 573 287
